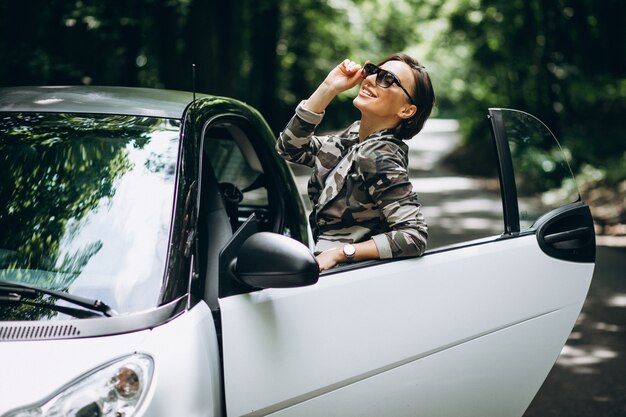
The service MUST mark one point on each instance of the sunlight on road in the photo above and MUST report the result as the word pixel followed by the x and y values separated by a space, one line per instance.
pixel 459 216
pixel 442 184
pixel 472 205
pixel 579 358
pixel 618 300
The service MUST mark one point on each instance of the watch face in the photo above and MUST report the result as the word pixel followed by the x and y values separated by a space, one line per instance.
pixel 349 250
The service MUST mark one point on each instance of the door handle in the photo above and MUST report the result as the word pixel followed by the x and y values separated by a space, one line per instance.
pixel 568 235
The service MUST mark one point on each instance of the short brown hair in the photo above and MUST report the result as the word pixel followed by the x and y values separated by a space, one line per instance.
pixel 423 96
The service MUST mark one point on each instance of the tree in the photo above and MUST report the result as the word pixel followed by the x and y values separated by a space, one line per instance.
pixel 560 60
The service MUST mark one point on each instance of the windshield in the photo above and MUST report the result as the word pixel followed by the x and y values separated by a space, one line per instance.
pixel 85 207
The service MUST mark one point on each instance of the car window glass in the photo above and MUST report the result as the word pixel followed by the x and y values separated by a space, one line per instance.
pixel 543 177
pixel 231 165
pixel 85 206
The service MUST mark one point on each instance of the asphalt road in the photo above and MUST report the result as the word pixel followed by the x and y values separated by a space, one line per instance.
pixel 589 377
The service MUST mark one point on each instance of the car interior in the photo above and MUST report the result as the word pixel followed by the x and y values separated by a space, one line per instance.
pixel 238 197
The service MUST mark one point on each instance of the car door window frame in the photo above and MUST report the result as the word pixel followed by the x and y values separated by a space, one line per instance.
pixel 281 212
pixel 507 174
pixel 508 188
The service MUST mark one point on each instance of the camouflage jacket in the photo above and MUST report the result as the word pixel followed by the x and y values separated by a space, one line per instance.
pixel 358 191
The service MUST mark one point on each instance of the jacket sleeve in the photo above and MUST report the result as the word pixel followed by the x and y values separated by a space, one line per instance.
pixel 296 143
pixel 386 177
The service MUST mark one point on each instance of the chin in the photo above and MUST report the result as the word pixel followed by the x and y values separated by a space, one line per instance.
pixel 358 102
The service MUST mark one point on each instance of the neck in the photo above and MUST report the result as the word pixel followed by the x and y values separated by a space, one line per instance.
pixel 371 124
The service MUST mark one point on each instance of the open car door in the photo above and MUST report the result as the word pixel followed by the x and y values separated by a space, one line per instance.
pixel 469 330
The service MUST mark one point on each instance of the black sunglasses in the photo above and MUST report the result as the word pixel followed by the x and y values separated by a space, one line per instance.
pixel 384 78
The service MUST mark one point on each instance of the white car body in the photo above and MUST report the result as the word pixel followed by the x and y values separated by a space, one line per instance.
pixel 183 347
pixel 465 330
pixel 451 338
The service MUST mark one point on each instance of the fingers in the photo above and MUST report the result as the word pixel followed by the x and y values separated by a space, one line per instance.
pixel 349 68
pixel 343 77
pixel 326 260
pixel 323 263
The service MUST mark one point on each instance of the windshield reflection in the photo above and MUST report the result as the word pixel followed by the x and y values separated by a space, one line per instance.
pixel 85 207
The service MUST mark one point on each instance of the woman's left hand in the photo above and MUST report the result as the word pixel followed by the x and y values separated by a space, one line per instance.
pixel 330 258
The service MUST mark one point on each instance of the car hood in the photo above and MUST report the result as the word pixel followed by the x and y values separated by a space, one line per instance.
pixel 32 370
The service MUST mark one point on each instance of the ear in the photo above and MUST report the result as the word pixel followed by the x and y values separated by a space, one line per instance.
pixel 408 111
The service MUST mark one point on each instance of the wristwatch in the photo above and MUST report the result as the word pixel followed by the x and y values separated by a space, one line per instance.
pixel 349 250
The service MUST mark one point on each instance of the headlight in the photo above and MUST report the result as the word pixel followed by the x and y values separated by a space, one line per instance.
pixel 115 389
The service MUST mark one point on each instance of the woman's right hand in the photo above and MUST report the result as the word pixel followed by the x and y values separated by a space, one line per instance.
pixel 344 76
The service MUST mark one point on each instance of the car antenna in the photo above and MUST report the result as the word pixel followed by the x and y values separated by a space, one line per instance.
pixel 193 80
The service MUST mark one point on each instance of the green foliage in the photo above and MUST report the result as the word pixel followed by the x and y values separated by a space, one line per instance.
pixel 56 169
pixel 563 60
pixel 269 53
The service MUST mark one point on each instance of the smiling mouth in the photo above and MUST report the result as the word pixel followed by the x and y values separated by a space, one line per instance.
pixel 367 92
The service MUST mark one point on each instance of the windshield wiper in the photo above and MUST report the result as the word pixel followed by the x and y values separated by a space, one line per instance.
pixel 16 291
pixel 70 311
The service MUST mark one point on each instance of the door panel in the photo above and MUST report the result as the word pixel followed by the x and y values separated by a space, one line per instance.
pixel 473 379
pixel 469 331
pixel 387 325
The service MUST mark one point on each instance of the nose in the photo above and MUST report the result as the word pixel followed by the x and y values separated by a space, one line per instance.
pixel 371 81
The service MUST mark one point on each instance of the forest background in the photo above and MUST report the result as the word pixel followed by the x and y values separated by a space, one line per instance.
pixel 563 61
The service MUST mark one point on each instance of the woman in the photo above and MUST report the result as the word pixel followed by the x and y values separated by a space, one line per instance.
pixel 363 203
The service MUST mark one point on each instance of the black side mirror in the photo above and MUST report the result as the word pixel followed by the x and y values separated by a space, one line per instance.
pixel 270 260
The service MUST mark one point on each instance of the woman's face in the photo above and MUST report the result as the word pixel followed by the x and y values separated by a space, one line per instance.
pixel 389 102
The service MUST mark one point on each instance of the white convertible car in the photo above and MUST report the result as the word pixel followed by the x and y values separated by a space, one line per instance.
pixel 155 261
